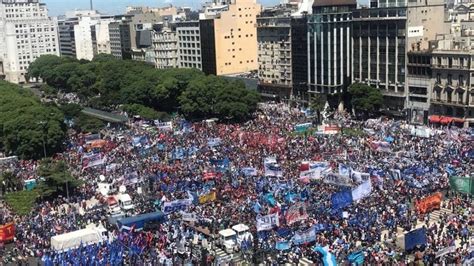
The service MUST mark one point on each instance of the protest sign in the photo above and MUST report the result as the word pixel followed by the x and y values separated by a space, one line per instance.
pixel 188 217
pixel 337 179
pixel 267 222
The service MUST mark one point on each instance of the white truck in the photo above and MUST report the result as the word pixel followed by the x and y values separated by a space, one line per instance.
pixel 232 238
pixel 125 202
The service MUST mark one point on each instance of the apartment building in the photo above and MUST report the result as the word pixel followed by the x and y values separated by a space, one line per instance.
pixel 452 94
pixel 26 32
pixel 189 44
pixel 274 52
pixel 165 46
pixel 228 36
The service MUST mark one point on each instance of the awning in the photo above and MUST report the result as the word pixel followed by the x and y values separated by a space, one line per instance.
pixel 434 118
pixel 444 119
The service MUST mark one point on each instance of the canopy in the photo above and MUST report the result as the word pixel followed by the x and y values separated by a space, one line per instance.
pixel 444 119
pixel 139 221
pixel 86 236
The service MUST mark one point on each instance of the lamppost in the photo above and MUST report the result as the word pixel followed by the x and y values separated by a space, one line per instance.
pixel 43 123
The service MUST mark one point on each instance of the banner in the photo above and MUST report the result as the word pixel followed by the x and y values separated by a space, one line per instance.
pixel 445 251
pixel 337 179
pixel 429 203
pixel 208 176
pixel 93 160
pixel 380 146
pixel 164 126
pixel 7 232
pixel 341 199
pixel 249 171
pixel 91 137
pixel 313 170
pixel 139 141
pixel 303 237
pixel 213 142
pixel 296 213
pixel 267 222
pixel 282 245
pixel 211 196
pixel 303 127
pixel 344 170
pixel 272 168
pixel 189 217
pixel 414 238
pixel 362 191
pixel 177 205
pixel 462 184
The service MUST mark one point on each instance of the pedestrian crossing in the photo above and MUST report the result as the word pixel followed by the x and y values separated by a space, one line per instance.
pixel 436 215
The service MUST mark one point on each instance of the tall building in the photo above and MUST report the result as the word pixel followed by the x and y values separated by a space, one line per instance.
pixel 299 53
pixel 165 46
pixel 379 49
pixel 26 32
pixel 425 21
pixel 274 52
pixel 229 37
pixel 329 46
pixel 120 41
pixel 189 44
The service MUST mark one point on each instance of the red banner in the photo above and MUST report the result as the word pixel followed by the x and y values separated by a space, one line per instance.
pixel 429 203
pixel 7 232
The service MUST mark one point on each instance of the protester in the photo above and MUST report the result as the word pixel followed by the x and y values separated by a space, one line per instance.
pixel 356 196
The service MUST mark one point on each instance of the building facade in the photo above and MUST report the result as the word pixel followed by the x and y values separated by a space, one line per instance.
pixel 423 27
pixel 67 43
pixel 379 49
pixel 165 47
pixel 26 33
pixel 229 38
pixel 274 53
pixel 329 46
pixel 452 94
pixel 189 44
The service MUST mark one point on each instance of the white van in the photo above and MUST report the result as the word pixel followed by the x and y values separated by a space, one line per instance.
pixel 125 202
pixel 242 232
pixel 227 239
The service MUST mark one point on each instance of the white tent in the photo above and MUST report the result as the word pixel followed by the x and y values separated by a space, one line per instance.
pixel 87 236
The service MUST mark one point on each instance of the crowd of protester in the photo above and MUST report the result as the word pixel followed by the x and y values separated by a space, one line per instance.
pixel 158 165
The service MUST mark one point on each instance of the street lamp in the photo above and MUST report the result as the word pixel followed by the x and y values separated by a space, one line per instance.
pixel 43 123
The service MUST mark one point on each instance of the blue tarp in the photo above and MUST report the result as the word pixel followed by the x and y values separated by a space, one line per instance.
pixel 414 238
pixel 140 220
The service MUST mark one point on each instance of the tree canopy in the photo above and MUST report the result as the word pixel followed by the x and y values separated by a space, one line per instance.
pixel 107 83
pixel 365 99
pixel 26 124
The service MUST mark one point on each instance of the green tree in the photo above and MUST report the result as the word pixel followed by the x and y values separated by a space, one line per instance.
pixel 29 128
pixel 88 124
pixel 365 99
pixel 143 111
pixel 70 110
pixel 56 178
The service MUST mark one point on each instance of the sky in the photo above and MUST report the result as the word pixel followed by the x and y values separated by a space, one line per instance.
pixel 59 7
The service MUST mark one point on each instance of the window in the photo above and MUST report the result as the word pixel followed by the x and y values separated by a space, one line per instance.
pixel 438 78
pixel 450 79
pixel 461 80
